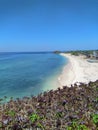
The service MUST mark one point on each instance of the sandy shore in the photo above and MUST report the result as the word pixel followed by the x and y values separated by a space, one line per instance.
pixel 78 70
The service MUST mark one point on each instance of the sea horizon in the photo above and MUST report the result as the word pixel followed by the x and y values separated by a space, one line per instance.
pixel 28 52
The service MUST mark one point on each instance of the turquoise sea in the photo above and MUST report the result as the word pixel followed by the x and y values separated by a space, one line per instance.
pixel 26 74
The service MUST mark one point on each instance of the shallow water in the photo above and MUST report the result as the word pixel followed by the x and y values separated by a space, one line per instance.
pixel 25 74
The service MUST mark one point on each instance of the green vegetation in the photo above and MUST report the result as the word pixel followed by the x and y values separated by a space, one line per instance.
pixel 95 119
pixel 96 98
pixel 39 125
pixel 34 117
pixel 76 126
pixel 87 53
pixel 75 53
pixel 57 52
pixel 11 113
pixel 74 108
pixel 58 115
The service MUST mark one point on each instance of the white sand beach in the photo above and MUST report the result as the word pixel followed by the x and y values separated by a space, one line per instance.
pixel 78 70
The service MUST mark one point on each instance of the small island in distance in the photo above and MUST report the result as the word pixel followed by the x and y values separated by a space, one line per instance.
pixel 72 106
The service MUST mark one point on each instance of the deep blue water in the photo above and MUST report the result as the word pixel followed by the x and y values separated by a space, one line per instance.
pixel 25 74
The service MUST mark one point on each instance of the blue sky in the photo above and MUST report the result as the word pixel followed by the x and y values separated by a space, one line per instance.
pixel 45 25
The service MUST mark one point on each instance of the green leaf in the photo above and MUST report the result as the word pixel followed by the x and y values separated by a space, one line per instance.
pixel 95 118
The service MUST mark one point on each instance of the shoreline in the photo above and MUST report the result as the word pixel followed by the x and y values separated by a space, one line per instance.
pixel 77 70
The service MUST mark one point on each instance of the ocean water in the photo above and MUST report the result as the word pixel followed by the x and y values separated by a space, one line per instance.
pixel 26 74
